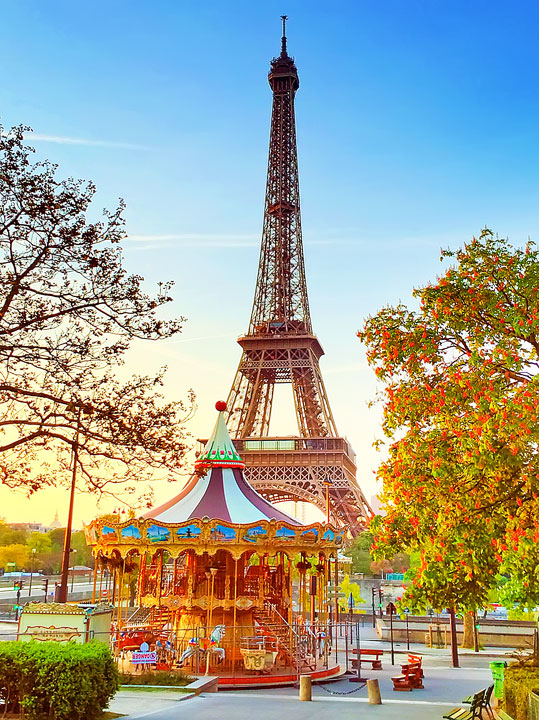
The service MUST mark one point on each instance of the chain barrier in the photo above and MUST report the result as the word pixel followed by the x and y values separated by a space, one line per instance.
pixel 346 692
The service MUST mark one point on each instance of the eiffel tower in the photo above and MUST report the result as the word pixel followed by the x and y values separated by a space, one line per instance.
pixel 317 466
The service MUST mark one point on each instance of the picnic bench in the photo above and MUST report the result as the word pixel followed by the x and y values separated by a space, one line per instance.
pixel 502 715
pixel 368 655
pixel 411 675
pixel 474 712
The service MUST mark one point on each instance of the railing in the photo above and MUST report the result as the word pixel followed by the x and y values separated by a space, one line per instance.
pixel 295 444
pixel 533 706
pixel 303 640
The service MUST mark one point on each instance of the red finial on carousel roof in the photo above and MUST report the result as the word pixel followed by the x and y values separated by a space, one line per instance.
pixel 219 450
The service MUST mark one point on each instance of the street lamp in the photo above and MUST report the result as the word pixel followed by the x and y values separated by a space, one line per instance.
pixel 31 571
pixel 327 483
pixel 61 588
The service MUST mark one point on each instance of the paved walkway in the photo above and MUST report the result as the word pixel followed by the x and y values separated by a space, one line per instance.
pixel 444 688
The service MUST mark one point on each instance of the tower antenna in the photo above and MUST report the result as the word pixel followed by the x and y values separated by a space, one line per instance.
pixel 284 53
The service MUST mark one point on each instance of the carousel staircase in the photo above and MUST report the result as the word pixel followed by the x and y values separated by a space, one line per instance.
pixel 296 651
pixel 140 618
pixel 154 619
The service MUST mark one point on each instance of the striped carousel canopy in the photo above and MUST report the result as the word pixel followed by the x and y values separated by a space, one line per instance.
pixel 218 489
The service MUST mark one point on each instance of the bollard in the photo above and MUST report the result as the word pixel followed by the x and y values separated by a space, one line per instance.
pixel 373 690
pixel 305 687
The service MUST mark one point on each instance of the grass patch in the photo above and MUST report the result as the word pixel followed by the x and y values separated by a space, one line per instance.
pixel 158 677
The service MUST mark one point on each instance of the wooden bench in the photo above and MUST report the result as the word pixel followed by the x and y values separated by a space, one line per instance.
pixel 471 713
pixel 485 702
pixel 368 655
pixel 411 678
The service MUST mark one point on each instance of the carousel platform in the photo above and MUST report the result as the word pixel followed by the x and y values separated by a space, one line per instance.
pixel 277 679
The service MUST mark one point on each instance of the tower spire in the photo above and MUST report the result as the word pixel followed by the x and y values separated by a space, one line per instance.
pixel 284 52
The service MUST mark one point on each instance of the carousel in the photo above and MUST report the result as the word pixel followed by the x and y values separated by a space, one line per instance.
pixel 218 580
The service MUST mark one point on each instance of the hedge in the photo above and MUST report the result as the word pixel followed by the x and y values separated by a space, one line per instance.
pixel 53 681
pixel 519 680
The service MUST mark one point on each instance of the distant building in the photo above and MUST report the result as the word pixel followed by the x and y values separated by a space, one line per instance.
pixel 31 527
pixel 55 524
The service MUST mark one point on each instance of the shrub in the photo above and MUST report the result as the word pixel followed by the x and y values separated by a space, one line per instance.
pixel 53 681
pixel 520 679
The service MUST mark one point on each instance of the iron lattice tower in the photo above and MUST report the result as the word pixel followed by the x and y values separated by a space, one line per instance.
pixel 280 346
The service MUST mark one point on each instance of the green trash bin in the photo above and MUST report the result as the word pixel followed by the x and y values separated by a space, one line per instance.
pixel 496 668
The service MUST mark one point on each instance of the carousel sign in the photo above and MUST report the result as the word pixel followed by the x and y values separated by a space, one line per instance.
pixel 144 658
pixel 60 634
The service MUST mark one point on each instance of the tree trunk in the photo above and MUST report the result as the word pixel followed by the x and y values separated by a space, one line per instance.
pixel 453 629
pixel 468 634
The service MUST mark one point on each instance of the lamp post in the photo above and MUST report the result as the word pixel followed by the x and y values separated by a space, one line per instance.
pixel 72 570
pixel 327 483
pixel 61 588
pixel 31 571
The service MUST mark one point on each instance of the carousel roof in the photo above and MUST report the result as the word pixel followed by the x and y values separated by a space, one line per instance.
pixel 221 491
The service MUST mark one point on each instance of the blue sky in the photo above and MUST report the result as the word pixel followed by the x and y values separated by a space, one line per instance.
pixel 417 123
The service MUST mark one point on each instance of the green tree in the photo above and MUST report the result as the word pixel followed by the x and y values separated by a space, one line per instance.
pixel 40 541
pixel 56 536
pixel 350 588
pixel 362 559
pixel 10 536
pixel 68 313
pixel 360 553
pixel 83 556
pixel 460 398
pixel 16 553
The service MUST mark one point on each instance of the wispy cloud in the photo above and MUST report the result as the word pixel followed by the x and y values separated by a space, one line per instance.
pixel 63 140
pixel 224 240
pixel 148 242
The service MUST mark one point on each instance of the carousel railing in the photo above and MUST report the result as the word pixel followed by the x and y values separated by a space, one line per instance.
pixel 301 649
pixel 271 648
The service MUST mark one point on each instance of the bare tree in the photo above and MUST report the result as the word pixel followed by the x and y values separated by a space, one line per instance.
pixel 68 313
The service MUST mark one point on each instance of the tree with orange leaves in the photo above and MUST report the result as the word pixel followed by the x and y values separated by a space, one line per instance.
pixel 460 398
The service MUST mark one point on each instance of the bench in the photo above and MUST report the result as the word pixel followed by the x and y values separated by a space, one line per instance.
pixel 485 702
pixel 411 678
pixel 471 713
pixel 370 656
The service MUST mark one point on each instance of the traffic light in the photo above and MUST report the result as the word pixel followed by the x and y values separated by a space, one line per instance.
pixel 17 585
pixel 17 609
pixel 45 587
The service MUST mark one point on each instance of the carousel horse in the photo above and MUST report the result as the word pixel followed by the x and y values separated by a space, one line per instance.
pixel 322 643
pixel 205 646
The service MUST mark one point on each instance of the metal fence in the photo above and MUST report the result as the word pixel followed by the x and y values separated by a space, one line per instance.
pixel 533 706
